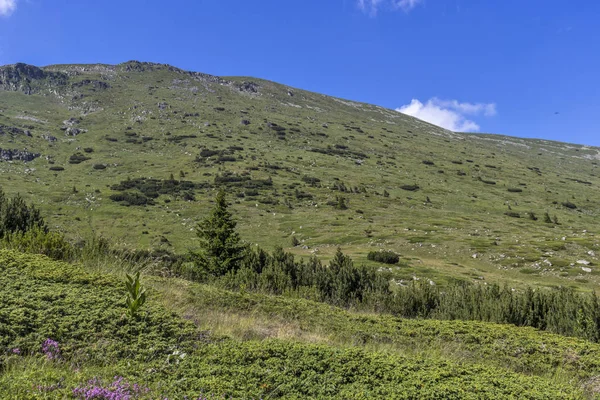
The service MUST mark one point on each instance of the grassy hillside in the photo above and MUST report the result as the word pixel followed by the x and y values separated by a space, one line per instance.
pixel 135 151
pixel 65 334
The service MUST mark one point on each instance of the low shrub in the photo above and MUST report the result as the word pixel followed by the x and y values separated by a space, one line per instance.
pixel 386 257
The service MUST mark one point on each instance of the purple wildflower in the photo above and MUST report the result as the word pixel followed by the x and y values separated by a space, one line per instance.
pixel 16 351
pixel 51 350
pixel 119 389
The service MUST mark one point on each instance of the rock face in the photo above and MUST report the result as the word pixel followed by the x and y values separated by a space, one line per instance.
pixel 29 79
pixel 49 138
pixel 20 155
pixel 13 131
pixel 249 87
pixel 72 131
pixel 69 126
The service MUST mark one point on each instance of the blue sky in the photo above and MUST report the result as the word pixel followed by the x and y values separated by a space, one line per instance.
pixel 527 68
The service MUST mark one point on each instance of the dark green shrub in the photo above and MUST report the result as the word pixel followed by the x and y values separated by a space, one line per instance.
pixel 410 188
pixel 341 203
pixel 487 182
pixel 513 214
pixel 310 180
pixel 532 216
pixel 133 199
pixel 17 216
pixel 294 241
pixel 386 257
pixel 209 153
pixel 78 158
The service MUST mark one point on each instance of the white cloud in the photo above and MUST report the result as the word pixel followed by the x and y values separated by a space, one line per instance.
pixel 7 7
pixel 372 6
pixel 449 114
pixel 407 5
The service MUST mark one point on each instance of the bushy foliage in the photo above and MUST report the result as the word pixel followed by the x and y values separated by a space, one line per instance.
pixel 149 188
pixel 78 158
pixel 44 299
pixel 340 283
pixel 386 257
pixel 220 244
pixel 561 311
pixel 17 216
pixel 40 241
pixel 71 319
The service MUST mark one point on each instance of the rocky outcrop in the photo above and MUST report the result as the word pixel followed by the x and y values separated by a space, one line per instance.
pixel 72 131
pixel 17 155
pixel 29 79
pixel 13 131
pixel 248 87
pixel 70 127
pixel 49 138
pixel 139 66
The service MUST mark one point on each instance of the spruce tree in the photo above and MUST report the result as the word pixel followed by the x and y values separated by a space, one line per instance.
pixel 221 249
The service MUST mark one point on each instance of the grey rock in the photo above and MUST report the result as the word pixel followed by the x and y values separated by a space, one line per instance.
pixel 49 138
pixel 29 79
pixel 13 131
pixel 249 87
pixel 20 155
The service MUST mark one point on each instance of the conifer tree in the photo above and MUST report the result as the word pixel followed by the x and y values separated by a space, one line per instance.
pixel 17 216
pixel 221 249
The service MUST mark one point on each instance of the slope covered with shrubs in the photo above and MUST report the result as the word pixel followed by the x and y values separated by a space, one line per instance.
pixel 64 330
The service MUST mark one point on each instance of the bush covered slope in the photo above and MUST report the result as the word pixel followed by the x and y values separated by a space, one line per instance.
pixel 65 333
pixel 135 151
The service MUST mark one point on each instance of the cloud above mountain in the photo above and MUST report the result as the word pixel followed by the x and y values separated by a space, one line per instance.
pixel 7 7
pixel 373 6
pixel 449 114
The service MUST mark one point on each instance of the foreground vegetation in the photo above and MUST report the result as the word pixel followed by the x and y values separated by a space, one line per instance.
pixel 70 330
pixel 92 339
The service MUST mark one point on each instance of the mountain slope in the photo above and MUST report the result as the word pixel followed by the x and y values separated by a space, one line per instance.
pixel 135 151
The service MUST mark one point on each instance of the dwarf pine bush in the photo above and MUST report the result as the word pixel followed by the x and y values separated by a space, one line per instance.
pixel 17 216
